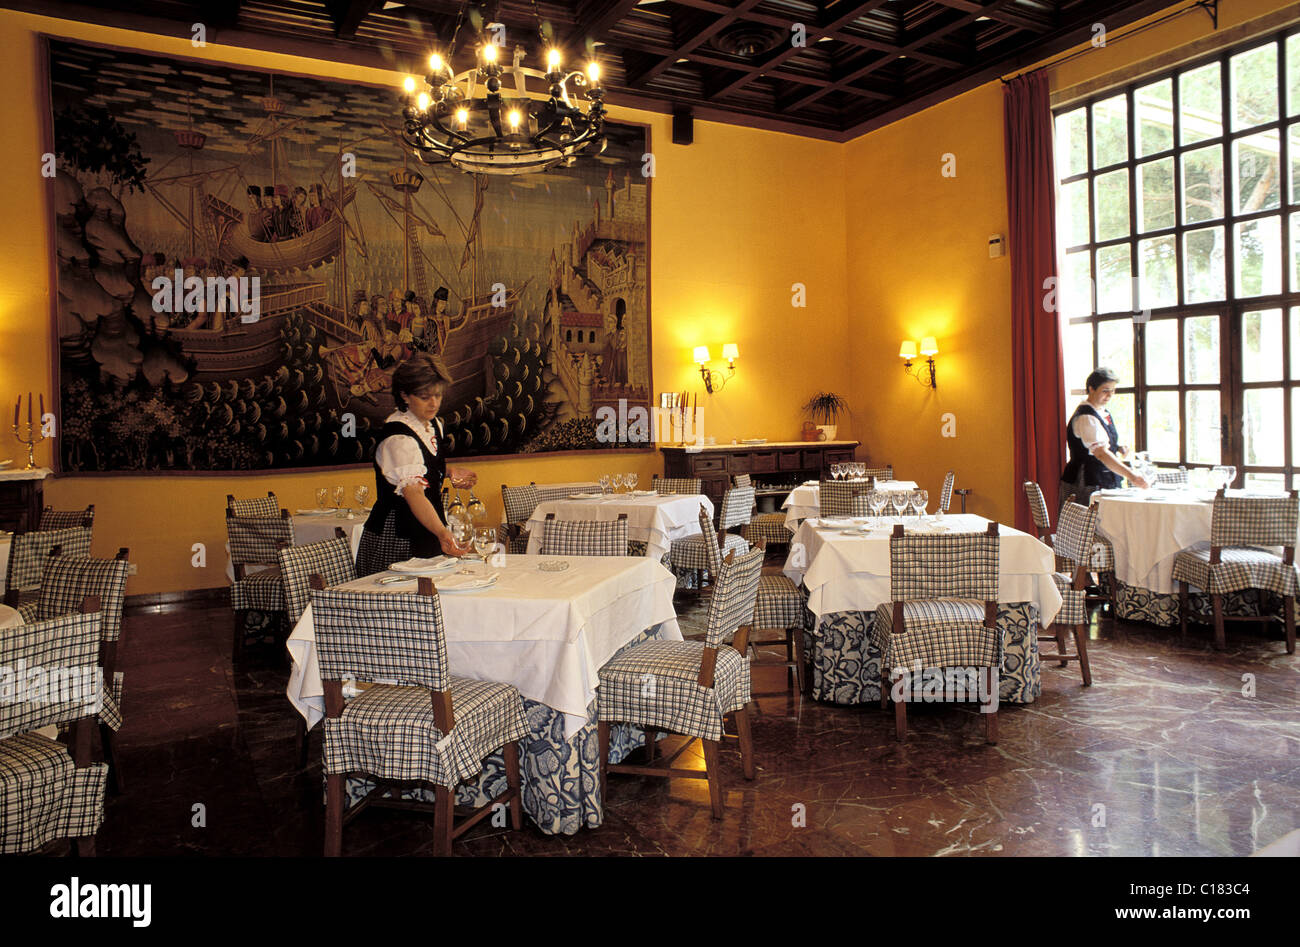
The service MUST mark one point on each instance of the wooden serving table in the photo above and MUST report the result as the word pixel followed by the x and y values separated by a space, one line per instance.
pixel 786 462
pixel 22 498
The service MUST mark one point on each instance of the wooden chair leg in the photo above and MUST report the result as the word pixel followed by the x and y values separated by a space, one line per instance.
pixel 746 735
pixel 1182 610
pixel 334 815
pixel 800 671
pixel 515 785
pixel 1220 640
pixel 900 720
pixel 84 846
pixel 115 784
pixel 444 814
pixel 602 747
pixel 1288 611
pixel 1060 642
pixel 651 743
pixel 1081 645
pixel 1112 597
pixel 714 773
pixel 884 687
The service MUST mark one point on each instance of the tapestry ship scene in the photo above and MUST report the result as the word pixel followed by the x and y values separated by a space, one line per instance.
pixel 532 289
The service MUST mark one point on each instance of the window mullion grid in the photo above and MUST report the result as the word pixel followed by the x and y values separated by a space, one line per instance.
pixel 1139 389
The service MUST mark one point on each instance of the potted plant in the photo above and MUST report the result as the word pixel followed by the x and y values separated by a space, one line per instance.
pixel 825 408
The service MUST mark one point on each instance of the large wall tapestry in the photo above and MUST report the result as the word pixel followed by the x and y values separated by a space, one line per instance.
pixel 533 289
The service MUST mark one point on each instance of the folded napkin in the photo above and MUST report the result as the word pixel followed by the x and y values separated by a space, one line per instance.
pixel 461 582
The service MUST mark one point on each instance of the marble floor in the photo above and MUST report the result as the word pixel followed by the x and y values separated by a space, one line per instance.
pixel 1175 750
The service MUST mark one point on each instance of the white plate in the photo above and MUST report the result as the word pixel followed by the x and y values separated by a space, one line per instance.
pixel 642 493
pixel 424 566
pixel 834 522
pixel 465 583
pixel 585 496
pixel 332 509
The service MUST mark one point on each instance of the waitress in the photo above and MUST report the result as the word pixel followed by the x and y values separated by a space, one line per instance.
pixel 1095 452
pixel 410 463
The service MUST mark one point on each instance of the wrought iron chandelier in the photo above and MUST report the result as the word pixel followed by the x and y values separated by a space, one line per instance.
pixel 478 123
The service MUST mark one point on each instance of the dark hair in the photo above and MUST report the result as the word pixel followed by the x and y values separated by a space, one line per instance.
pixel 1099 377
pixel 417 373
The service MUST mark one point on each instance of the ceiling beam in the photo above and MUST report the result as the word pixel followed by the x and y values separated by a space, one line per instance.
pixel 683 48
pixel 348 14
pixel 1024 19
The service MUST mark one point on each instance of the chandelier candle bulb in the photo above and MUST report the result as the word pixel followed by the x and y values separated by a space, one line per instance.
pixel 593 73
pixel 490 52
pixel 422 101
pixel 409 85
pixel 435 63
pixel 553 60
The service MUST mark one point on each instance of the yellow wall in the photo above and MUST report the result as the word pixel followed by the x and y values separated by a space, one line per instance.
pixel 736 219
pixel 918 265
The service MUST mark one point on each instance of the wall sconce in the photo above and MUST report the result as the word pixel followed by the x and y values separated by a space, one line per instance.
pixel 730 352
pixel 929 349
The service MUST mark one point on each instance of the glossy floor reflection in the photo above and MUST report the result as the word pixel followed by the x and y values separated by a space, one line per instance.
pixel 1175 750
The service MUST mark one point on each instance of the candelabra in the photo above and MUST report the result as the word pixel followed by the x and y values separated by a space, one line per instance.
pixel 34 435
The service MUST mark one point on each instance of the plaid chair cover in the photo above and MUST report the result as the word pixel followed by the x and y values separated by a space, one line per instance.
pixel 515 541
pixel 389 730
pixel 43 794
pixel 939 565
pixel 1239 567
pixel 1103 555
pixel 1172 475
pixel 938 633
pixel 64 519
pixel 263 591
pixel 29 552
pixel 545 493
pixel 331 559
pixel 737 507
pixel 880 473
pixel 1038 508
pixel 255 540
pixel 1075 532
pixel 1254 521
pixel 1074 602
pixel 656 684
pixel 519 502
pixel 945 496
pixel 766 526
pixel 779 603
pixel 702 551
pixel 667 485
pixel 256 506
pixel 840 498
pixel 743 480
pixel 584 538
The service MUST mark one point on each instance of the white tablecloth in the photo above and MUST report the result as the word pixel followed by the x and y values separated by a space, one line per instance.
pixel 657 521
pixel 851 573
pixel 9 617
pixel 805 500
pixel 5 542
pixel 547 633
pixel 1148 528
pixel 312 528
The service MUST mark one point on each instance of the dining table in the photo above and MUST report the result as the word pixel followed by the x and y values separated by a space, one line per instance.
pixel 546 625
pixel 805 500
pixel 657 520
pixel 844 564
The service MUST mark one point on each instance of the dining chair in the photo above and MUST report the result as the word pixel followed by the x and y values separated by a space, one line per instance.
pixel 669 485
pixel 1233 560
pixel 763 528
pixel 742 480
pixel 255 541
pixel 688 687
pixel 423 725
pixel 780 604
pixel 880 473
pixel 945 496
pixel 584 537
pixel 842 498
pixel 519 504
pixel 1172 475
pixel 1038 510
pixel 66 582
pixel 1075 532
pixel 1101 559
pixel 703 552
pixel 28 553
pixel 257 506
pixel 942 614
pixel 63 519
pixel 49 790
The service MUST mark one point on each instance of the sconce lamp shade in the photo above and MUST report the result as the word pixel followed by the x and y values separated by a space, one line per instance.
pixel 701 354
pixel 730 352
pixel 929 346
pixel 907 350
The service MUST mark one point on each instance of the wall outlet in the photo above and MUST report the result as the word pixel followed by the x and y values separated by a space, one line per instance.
pixel 132 569
pixel 997 246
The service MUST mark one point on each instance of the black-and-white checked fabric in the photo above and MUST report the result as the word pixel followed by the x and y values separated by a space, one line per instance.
pixel 377 551
pixel 688 485
pixel 66 650
pixel 943 565
pixel 779 603
pixel 1075 531
pixel 111 713
pixel 44 796
pixel 69 579
pixel 709 542
pixel 519 502
pixel 737 507
pixel 769 527
pixel 841 498
pixel 64 519
pixel 1240 567
pixel 263 591
pixel 380 636
pixel 254 540
pixel 255 506
pixel 936 633
pixel 945 496
pixel 1038 507
pixel 389 731
pixel 743 480
pixel 1254 521
pixel 1103 555
pixel 545 493
pixel 1176 475
pixel 880 473
pixel 584 538
pixel 29 552
pixel 735 591
pixel 515 542
pixel 331 559
pixel 656 684
pixel 1074 602
pixel 701 552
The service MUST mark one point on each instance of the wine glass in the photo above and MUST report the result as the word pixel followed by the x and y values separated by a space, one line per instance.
pixel 322 497
pixel 1230 473
pixel 485 541
pixel 462 530
pixel 899 500
pixel 604 483
pixel 920 500
pixel 363 495
pixel 456 509
pixel 617 480
pixel 476 509
pixel 837 471
pixel 630 480
pixel 859 470
pixel 877 499
pixel 340 494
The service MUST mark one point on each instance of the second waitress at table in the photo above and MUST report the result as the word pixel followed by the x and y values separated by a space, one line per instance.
pixel 410 463
pixel 1093 441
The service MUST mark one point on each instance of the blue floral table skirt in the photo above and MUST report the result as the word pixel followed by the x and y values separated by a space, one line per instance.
pixel 1134 603
pixel 561 778
pixel 846 665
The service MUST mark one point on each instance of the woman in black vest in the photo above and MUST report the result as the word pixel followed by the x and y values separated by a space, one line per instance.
pixel 1094 446
pixel 410 463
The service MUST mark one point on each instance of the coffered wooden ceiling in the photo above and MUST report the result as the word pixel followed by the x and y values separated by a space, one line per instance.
pixel 863 65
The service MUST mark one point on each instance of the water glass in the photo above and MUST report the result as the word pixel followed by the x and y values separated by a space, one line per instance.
pixel 476 509
pixel 485 541
pixel 1231 473
pixel 630 480
pixel 899 499
pixel 322 497
pixel 920 500
pixel 604 483
pixel 859 470
pixel 877 499
pixel 363 496
pixel 617 480
pixel 340 494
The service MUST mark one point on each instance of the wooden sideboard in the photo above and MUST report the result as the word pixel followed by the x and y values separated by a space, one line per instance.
pixel 773 464
pixel 22 498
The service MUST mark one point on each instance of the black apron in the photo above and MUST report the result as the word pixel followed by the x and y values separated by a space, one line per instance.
pixel 1084 469
pixel 391 517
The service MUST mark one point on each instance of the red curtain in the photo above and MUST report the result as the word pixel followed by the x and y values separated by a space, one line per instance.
pixel 1038 383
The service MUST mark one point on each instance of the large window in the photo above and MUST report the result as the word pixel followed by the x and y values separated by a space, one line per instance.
pixel 1178 220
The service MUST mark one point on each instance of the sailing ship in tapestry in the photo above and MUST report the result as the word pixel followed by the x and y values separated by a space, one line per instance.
pixel 244 258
